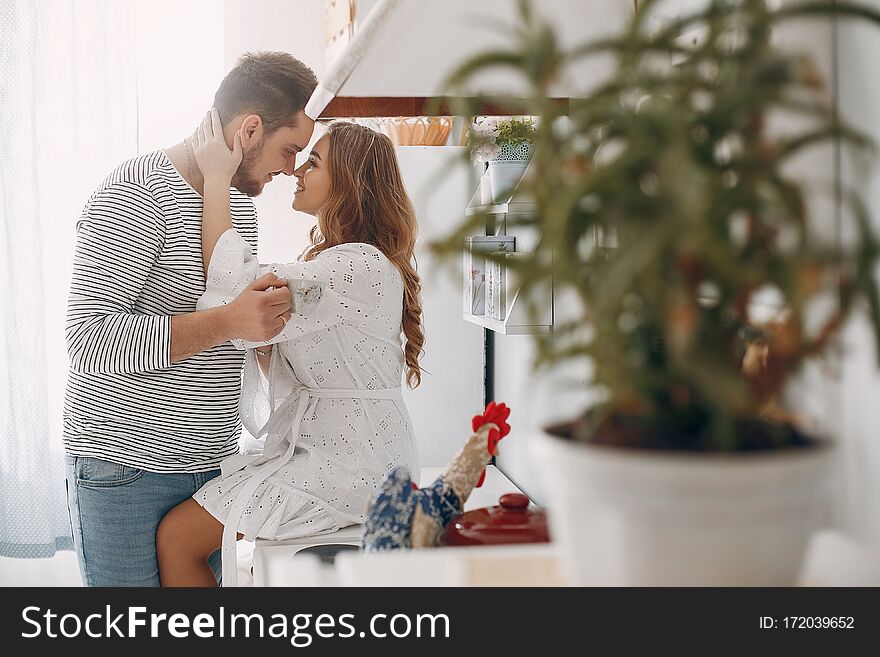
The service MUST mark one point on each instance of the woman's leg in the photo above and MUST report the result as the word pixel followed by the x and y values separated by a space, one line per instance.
pixel 185 539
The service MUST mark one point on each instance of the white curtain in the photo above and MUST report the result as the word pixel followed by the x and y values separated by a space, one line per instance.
pixel 68 115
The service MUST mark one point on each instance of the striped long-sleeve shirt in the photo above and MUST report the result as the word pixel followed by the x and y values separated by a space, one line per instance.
pixel 138 261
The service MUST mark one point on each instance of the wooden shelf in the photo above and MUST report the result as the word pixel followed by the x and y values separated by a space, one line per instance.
pixel 348 107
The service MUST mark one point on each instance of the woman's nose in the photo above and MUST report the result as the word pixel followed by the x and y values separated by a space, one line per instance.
pixel 301 170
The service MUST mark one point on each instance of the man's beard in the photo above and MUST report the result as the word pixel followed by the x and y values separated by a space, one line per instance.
pixel 244 179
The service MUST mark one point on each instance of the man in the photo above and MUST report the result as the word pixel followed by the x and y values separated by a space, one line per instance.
pixel 151 406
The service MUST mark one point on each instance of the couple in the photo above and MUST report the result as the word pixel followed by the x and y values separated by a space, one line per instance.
pixel 168 302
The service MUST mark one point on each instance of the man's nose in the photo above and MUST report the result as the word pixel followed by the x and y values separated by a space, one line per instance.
pixel 289 165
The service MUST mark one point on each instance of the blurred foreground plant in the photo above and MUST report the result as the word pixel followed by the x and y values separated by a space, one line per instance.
pixel 671 156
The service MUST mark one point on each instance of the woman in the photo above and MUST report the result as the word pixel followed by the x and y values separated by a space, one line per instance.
pixel 331 380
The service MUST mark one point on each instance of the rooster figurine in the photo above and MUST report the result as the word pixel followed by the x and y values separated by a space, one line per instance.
pixel 402 515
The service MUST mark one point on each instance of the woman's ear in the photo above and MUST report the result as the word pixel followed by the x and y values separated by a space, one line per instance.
pixel 251 130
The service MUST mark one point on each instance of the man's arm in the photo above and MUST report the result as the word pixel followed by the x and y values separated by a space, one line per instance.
pixel 196 332
pixel 119 239
pixel 254 315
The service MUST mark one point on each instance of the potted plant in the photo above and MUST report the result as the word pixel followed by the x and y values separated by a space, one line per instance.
pixel 691 469
pixel 506 144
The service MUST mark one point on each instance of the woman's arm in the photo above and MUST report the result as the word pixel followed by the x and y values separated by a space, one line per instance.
pixel 215 219
pixel 218 165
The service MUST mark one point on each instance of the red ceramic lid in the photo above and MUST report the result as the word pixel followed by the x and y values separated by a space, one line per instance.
pixel 510 522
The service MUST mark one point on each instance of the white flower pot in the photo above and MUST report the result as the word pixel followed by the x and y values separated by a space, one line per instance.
pixel 629 517
pixel 507 168
pixel 504 176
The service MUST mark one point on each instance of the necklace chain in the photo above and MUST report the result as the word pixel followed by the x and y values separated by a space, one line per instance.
pixel 192 178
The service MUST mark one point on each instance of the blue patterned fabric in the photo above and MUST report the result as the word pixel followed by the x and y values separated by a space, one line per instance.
pixel 439 502
pixel 390 516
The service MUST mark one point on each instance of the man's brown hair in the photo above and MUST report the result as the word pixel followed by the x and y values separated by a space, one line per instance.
pixel 273 85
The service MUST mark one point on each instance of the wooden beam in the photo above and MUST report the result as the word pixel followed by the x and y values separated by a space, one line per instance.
pixel 343 107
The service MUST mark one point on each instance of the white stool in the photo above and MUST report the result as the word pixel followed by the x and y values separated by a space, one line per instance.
pixel 266 552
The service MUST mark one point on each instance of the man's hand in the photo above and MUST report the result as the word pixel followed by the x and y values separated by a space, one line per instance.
pixel 260 313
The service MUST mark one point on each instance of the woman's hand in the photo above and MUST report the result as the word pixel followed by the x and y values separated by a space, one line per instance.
pixel 218 165
pixel 216 162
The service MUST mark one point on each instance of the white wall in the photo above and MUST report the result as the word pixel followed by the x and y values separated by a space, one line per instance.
pixel 859 410
pixel 176 84
pixel 451 392
pixel 297 27
pixel 536 399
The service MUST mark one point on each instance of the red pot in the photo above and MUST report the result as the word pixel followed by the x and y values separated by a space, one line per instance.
pixel 510 522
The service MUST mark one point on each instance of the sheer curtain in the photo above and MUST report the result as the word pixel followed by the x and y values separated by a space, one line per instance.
pixel 68 115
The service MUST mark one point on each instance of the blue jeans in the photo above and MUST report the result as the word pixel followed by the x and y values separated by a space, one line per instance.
pixel 114 512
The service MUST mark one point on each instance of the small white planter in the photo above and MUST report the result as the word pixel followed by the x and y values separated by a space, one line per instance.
pixel 504 176
pixel 507 168
pixel 628 517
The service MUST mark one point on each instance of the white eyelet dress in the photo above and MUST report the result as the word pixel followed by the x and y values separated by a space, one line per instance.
pixel 330 419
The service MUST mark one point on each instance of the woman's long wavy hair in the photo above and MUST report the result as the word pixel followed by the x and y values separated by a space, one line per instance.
pixel 368 203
